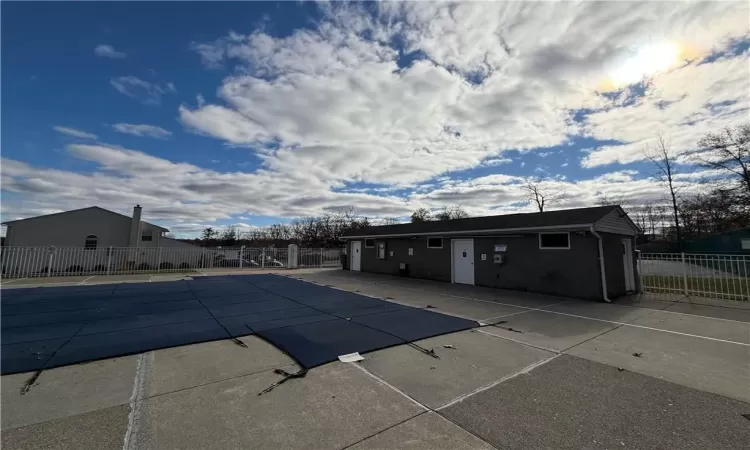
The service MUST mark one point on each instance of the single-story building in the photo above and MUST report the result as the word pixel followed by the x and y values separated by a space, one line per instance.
pixel 91 238
pixel 90 228
pixel 586 253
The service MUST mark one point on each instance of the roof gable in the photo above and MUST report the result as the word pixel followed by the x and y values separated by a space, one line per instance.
pixel 13 222
pixel 617 221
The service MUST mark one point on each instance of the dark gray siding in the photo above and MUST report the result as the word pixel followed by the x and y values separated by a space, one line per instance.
pixel 569 273
pixel 428 263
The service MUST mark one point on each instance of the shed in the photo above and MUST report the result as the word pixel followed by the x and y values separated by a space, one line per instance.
pixel 586 253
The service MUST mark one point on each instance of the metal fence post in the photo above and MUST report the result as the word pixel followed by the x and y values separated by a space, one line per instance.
pixel 321 257
pixel 158 261
pixel 242 255
pixel 109 259
pixel 49 263
pixel 684 274
pixel 203 257
pixel 263 259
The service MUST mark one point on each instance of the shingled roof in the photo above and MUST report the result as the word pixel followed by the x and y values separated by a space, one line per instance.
pixel 564 219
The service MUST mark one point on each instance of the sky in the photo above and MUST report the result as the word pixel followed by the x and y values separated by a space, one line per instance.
pixel 250 113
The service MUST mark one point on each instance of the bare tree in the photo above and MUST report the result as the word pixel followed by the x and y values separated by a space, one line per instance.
pixel 611 200
pixel 638 214
pixel 717 211
pixel 729 151
pixel 276 232
pixel 661 156
pixel 390 221
pixel 421 215
pixel 540 193
pixel 229 236
pixel 452 212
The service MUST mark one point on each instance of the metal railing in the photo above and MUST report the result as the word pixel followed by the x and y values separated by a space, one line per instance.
pixel 700 275
pixel 319 257
pixel 50 261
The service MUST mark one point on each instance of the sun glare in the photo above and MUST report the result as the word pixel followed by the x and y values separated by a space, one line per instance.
pixel 648 61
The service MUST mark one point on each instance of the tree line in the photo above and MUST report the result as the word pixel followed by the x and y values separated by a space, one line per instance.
pixel 322 231
pixel 312 231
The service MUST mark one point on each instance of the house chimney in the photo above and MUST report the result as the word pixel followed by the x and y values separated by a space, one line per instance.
pixel 135 227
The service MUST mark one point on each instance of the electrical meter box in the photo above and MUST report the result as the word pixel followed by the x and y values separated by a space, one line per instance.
pixel 499 258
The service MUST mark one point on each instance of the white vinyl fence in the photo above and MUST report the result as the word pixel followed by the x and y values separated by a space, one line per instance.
pixel 50 261
pixel 700 275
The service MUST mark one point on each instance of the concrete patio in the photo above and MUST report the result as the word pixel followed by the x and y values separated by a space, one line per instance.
pixel 551 373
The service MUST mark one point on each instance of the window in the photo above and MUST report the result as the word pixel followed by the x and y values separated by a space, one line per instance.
pixel 556 241
pixel 91 242
pixel 434 242
pixel 745 244
pixel 146 236
pixel 381 250
pixel 369 243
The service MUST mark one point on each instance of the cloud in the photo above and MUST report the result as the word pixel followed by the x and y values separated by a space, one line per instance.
pixel 173 192
pixel 141 90
pixel 107 51
pixel 142 130
pixel 481 80
pixel 495 162
pixel 181 194
pixel 211 55
pixel 684 104
pixel 74 133
pixel 389 108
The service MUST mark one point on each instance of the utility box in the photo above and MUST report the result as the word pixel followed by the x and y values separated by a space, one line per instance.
pixel 403 269
pixel 499 258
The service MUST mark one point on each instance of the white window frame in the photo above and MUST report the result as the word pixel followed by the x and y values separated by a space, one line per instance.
pixel 428 242
pixel 554 248
pixel 371 240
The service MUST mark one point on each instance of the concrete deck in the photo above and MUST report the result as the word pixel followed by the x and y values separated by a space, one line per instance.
pixel 552 373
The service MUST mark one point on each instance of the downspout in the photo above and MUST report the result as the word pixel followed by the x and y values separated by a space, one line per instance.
pixel 601 264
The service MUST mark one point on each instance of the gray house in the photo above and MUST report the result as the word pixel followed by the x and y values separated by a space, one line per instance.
pixel 91 240
pixel 90 228
pixel 586 253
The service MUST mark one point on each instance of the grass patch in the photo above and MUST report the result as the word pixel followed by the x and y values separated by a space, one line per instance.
pixel 725 288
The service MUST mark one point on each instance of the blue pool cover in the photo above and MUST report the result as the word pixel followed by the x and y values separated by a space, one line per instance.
pixel 48 327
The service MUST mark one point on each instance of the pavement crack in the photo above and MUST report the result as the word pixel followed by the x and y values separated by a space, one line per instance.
pixel 287 376
pixel 30 382
pixel 430 352
pixel 239 342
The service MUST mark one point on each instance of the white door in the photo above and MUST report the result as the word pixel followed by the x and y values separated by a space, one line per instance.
pixel 356 256
pixel 627 261
pixel 463 261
